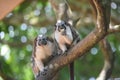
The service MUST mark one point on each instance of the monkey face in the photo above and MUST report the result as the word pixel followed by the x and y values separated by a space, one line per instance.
pixel 61 27
pixel 41 40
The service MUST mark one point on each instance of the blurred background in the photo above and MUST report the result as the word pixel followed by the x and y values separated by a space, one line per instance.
pixel 32 17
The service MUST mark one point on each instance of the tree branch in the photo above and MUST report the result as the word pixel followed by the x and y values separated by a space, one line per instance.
pixel 108 62
pixel 83 46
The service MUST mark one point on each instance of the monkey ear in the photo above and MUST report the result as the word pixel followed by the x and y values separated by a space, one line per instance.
pixel 61 9
pixel 75 22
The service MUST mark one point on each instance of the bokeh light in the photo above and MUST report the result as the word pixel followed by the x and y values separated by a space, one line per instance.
pixel 5 51
pixel 23 39
pixel 92 78
pixel 37 12
pixel 94 51
pixel 113 5
pixel 2 35
pixel 43 30
pixel 29 47
pixel 23 26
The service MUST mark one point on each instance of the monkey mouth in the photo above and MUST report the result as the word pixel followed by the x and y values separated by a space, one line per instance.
pixel 63 33
pixel 44 42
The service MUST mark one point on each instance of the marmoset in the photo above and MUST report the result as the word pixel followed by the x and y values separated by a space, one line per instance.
pixel 66 37
pixel 42 52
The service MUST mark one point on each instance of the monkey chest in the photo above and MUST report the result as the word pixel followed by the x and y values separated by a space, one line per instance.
pixel 43 53
pixel 63 39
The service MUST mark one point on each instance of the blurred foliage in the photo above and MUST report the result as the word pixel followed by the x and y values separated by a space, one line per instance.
pixel 19 28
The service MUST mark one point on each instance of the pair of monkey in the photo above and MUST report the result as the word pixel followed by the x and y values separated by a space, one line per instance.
pixel 65 37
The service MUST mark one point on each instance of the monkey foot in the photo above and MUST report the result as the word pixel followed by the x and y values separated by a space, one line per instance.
pixel 43 73
pixel 65 53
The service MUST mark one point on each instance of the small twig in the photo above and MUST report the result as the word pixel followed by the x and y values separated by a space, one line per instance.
pixel 114 29
pixel 108 62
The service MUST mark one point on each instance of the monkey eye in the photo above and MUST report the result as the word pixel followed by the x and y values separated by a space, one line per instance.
pixel 61 27
pixel 39 39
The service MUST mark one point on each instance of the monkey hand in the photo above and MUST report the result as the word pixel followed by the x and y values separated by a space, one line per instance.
pixel 44 72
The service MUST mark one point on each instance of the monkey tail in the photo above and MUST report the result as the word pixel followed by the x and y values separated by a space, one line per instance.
pixel 71 67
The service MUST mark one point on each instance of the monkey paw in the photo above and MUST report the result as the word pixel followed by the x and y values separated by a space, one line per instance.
pixel 46 68
pixel 44 72
pixel 64 54
pixel 59 52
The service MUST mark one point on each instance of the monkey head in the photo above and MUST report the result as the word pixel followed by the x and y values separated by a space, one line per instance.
pixel 61 27
pixel 43 51
pixel 41 40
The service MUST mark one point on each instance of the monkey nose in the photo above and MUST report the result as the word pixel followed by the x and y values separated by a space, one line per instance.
pixel 44 42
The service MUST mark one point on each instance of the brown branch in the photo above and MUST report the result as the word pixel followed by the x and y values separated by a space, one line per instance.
pixel 83 46
pixel 8 6
pixel 108 62
pixel 102 14
pixel 94 8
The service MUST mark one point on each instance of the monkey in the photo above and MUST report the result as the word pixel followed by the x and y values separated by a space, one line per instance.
pixel 66 37
pixel 43 51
